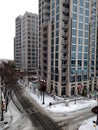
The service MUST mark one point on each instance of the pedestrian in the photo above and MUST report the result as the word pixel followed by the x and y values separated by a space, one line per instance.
pixel 50 104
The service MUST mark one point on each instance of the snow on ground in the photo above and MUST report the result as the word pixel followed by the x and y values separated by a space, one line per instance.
pixel 56 107
pixel 61 107
pixel 89 125
pixel 18 121
pixel 15 120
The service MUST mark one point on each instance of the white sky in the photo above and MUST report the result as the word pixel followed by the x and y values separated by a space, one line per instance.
pixel 9 10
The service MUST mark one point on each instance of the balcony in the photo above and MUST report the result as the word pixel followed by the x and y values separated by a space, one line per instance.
pixel 64 73
pixel 44 39
pixel 65 26
pixel 65 10
pixel 65 18
pixel 46 11
pixel 64 50
pixel 64 57
pixel 46 5
pixel 63 34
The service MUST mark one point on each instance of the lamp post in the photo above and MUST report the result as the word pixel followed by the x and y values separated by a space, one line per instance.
pixel 43 89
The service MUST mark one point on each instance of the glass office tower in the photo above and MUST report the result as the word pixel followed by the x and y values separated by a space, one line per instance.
pixel 67 40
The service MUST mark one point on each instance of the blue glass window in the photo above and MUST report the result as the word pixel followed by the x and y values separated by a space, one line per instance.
pixel 79 78
pixel 87 27
pixel 87 5
pixel 80 33
pixel 74 32
pixel 73 47
pixel 81 10
pixel 80 40
pixel 53 13
pixel 79 70
pixel 86 20
pixel 74 16
pixel 72 79
pixel 85 48
pixel 86 35
pixel 93 55
pixel 73 55
pixel 81 2
pixel 85 63
pixel 53 5
pixel 93 37
pixel 74 40
pixel 72 70
pixel 86 41
pixel 74 8
pixel 79 48
pixel 85 78
pixel 80 18
pixel 80 25
pixel 93 50
pixel 87 12
pixel 57 17
pixel 73 62
pixel 74 24
pixel 57 25
pixel 57 9
pixel 79 62
pixel 57 2
pixel 85 69
pixel 75 1
pixel 79 55
pixel 93 43
pixel 85 55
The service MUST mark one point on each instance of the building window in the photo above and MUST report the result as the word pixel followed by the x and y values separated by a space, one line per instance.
pixel 74 8
pixel 73 62
pixel 79 78
pixel 73 47
pixel 72 79
pixel 81 10
pixel 79 62
pixel 74 1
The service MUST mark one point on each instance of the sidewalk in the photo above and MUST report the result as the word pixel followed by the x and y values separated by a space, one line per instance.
pixel 14 120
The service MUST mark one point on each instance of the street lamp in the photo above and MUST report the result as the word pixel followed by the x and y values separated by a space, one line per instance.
pixel 43 88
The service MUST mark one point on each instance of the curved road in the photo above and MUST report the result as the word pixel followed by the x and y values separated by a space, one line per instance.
pixel 36 114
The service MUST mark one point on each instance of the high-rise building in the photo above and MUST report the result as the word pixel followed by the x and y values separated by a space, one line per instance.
pixel 27 40
pixel 67 45
pixel 17 42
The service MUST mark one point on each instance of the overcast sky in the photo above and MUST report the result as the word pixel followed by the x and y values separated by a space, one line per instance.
pixel 9 10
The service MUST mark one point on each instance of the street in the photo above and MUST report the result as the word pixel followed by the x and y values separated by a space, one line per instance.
pixel 36 114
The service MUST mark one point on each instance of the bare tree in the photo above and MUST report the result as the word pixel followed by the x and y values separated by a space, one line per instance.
pixel 9 75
